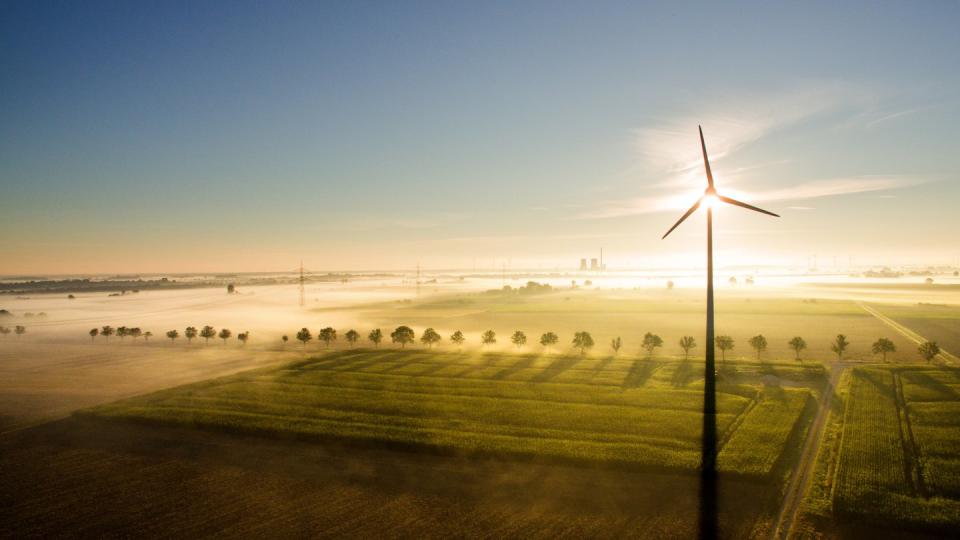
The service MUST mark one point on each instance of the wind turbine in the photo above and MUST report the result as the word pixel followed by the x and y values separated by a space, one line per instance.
pixel 708 468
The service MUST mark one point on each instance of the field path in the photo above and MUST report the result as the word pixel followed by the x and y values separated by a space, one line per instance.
pixel 907 333
pixel 797 485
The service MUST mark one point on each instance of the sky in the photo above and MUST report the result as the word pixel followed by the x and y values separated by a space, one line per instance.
pixel 145 137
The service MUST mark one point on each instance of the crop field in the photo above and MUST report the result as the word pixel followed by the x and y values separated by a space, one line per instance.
pixel 898 460
pixel 563 407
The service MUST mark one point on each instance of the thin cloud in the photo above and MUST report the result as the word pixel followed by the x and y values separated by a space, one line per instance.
pixel 803 191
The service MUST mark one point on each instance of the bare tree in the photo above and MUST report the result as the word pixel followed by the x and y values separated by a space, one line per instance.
pixel 687 343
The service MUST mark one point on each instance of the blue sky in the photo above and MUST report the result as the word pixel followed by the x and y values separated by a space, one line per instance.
pixel 204 136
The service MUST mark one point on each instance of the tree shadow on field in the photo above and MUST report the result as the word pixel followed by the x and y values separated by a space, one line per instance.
pixel 410 358
pixel 602 365
pixel 922 378
pixel 487 360
pixel 521 365
pixel 556 368
pixel 640 372
pixel 684 374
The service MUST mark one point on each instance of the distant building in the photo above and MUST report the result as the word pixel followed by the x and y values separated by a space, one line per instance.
pixel 583 264
pixel 594 265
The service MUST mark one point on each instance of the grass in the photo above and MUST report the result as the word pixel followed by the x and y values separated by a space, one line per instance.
pixel 558 408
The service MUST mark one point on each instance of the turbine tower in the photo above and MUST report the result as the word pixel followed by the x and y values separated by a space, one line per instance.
pixel 708 468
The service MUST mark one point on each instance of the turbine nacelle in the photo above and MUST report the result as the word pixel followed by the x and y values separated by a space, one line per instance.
pixel 710 195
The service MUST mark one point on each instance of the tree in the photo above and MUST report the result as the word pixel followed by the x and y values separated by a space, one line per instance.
pixel 303 336
pixel 797 344
pixel 243 337
pixel 135 332
pixel 457 339
pixel 687 343
pixel 669 284
pixel 172 335
pixel 208 332
pixel 724 343
pixel 488 338
pixel 375 336
pixel 928 350
pixel 840 346
pixel 106 332
pixel 884 346
pixel 122 332
pixel 519 339
pixel 583 341
pixel 93 334
pixel 190 333
pixel 759 344
pixel 283 340
pixel 4 330
pixel 549 340
pixel 352 337
pixel 21 330
pixel 651 342
pixel 147 335
pixel 402 335
pixel 225 335
pixel 327 335
pixel 429 337
pixel 231 288
pixel 615 344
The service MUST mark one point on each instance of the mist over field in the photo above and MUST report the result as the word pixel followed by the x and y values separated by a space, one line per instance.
pixel 432 270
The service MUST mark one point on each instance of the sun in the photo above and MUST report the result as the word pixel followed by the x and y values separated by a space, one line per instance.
pixel 711 201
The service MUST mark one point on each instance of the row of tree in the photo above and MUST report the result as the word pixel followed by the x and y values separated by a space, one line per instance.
pixel 404 335
pixel 18 330
pixel 191 332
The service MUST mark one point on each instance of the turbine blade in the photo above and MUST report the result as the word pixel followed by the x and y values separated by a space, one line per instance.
pixel 706 160
pixel 735 202
pixel 685 216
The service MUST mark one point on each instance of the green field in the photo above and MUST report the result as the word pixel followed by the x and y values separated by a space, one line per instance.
pixel 899 458
pixel 555 407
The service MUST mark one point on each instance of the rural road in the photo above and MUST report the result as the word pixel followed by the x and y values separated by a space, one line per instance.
pixel 907 333
pixel 800 479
